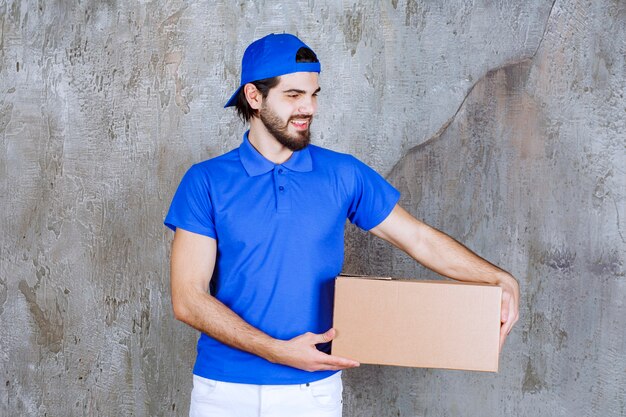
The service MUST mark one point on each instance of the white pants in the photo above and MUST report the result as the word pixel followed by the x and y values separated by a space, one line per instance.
pixel 211 398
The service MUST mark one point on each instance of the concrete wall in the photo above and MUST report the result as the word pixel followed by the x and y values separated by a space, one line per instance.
pixel 502 123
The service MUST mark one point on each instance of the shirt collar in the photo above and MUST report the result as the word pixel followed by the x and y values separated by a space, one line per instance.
pixel 256 164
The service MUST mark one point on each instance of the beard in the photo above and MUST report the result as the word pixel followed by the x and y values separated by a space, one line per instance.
pixel 279 129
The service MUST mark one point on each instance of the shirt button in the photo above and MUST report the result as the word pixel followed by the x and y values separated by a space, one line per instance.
pixel 281 188
pixel 280 171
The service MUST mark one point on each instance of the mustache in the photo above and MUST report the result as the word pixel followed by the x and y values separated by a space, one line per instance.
pixel 301 117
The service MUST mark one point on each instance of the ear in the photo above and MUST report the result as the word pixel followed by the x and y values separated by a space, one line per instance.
pixel 253 95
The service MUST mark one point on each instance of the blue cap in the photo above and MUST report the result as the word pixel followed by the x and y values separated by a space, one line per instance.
pixel 269 57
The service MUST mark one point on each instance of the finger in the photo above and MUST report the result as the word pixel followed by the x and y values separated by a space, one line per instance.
pixel 337 360
pixel 507 325
pixel 503 334
pixel 324 337
pixel 504 313
pixel 334 368
pixel 505 329
pixel 513 315
pixel 340 362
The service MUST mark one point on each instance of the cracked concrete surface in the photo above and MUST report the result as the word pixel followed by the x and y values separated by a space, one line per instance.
pixel 502 123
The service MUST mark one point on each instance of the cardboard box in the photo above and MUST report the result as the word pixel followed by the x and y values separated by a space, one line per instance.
pixel 425 324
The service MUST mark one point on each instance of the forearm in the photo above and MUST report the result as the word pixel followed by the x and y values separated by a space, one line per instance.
pixel 210 316
pixel 436 250
pixel 444 255
pixel 227 327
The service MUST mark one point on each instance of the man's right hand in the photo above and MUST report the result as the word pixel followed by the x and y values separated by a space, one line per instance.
pixel 300 352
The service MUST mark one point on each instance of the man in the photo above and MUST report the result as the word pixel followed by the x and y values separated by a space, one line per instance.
pixel 262 226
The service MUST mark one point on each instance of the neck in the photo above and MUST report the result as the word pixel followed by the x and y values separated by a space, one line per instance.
pixel 267 145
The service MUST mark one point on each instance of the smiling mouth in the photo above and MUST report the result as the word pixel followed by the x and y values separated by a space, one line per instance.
pixel 300 124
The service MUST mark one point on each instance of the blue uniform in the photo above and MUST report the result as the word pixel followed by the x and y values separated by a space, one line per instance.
pixel 280 241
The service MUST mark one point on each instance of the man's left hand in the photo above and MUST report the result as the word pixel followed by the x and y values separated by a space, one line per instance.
pixel 510 306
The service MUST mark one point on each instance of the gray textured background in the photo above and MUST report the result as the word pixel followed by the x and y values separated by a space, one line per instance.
pixel 502 123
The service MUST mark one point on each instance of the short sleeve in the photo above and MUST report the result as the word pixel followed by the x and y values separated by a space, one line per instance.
pixel 373 197
pixel 191 207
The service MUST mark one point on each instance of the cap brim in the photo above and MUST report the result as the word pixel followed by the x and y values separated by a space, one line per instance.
pixel 233 98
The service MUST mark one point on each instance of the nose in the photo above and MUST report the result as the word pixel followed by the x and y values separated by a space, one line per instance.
pixel 308 105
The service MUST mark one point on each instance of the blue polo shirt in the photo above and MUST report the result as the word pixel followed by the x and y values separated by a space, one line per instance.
pixel 280 242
